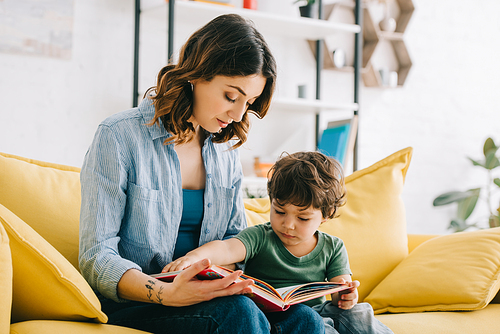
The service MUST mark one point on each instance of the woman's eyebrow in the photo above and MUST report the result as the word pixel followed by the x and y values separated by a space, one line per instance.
pixel 239 89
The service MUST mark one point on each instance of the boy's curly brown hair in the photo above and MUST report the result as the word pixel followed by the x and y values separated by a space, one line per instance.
pixel 308 179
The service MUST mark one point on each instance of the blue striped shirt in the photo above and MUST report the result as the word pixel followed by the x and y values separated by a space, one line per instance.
pixel 132 198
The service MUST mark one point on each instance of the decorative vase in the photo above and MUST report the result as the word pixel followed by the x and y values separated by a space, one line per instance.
pixel 306 11
pixel 388 23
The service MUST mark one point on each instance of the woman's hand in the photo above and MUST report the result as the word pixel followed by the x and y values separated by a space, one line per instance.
pixel 349 297
pixel 186 289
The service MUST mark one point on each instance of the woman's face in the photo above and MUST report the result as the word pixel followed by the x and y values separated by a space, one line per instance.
pixel 223 100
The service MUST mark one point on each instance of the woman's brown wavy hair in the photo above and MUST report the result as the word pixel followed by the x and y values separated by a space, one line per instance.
pixel 306 179
pixel 229 45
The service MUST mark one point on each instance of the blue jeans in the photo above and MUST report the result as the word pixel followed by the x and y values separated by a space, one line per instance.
pixel 299 318
pixel 234 314
pixel 358 320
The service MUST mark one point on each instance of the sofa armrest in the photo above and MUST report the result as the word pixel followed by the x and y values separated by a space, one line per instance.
pixel 415 240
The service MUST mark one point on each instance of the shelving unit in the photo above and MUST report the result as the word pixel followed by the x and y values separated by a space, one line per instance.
pixel 373 35
pixel 266 23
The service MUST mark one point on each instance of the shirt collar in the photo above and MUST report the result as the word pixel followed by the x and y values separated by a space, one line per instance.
pixel 147 110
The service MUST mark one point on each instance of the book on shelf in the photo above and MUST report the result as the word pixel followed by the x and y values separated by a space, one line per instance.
pixel 267 298
pixel 338 139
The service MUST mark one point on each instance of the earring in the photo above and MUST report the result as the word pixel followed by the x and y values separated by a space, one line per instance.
pixel 192 87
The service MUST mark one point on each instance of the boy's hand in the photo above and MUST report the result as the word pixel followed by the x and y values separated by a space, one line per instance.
pixel 349 297
pixel 180 264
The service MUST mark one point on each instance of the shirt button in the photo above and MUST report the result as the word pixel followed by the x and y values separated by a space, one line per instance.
pixel 207 231
pixel 209 176
pixel 209 205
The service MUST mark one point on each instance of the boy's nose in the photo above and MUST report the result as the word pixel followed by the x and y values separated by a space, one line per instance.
pixel 288 223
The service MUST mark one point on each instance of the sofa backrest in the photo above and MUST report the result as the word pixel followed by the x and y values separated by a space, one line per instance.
pixel 46 196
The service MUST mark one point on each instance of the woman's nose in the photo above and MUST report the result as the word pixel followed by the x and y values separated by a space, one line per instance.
pixel 237 112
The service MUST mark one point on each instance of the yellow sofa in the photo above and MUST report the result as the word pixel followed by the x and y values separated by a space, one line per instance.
pixel 416 284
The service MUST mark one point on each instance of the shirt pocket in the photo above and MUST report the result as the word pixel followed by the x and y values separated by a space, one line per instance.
pixel 142 216
pixel 224 202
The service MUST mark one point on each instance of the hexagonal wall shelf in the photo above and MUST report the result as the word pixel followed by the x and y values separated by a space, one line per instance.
pixel 371 37
pixel 406 9
pixel 329 11
pixel 371 76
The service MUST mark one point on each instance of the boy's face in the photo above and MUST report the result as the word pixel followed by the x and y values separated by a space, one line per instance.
pixel 296 226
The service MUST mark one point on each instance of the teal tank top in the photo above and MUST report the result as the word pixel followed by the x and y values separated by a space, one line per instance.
pixel 192 215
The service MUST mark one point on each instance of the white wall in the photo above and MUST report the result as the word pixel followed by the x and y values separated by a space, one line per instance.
pixel 448 107
pixel 50 108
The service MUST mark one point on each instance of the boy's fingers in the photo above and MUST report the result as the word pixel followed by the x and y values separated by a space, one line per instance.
pixel 355 284
pixel 166 268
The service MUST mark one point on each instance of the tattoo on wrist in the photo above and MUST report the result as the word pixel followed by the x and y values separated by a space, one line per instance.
pixel 150 286
pixel 150 289
pixel 158 295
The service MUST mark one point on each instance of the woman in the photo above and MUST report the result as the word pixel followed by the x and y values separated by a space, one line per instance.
pixel 161 179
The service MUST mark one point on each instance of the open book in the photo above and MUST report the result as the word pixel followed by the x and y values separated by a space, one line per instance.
pixel 265 296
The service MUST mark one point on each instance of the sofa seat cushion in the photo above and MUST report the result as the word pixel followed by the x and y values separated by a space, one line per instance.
pixel 5 281
pixel 459 271
pixel 485 321
pixel 70 327
pixel 47 197
pixel 45 285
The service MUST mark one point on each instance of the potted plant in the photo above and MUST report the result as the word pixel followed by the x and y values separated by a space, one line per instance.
pixel 467 200
pixel 307 9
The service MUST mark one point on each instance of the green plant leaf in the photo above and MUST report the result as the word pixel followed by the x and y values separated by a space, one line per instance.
pixel 459 225
pixel 497 181
pixel 477 163
pixel 489 144
pixel 451 197
pixel 466 206
pixel 494 221
pixel 491 161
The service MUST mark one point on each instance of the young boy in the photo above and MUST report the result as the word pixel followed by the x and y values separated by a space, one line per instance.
pixel 305 189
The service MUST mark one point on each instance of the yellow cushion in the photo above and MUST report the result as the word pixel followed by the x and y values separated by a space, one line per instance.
pixel 459 271
pixel 414 240
pixel 257 210
pixel 372 224
pixel 47 197
pixel 5 281
pixel 45 285
pixel 68 327
pixel 485 321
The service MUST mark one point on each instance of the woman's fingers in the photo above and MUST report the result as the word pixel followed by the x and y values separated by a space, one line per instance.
pixel 231 285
